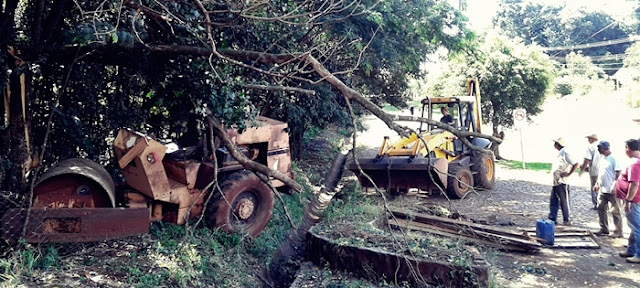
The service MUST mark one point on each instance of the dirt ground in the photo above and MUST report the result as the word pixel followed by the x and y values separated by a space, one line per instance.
pixel 522 196
pixel 519 198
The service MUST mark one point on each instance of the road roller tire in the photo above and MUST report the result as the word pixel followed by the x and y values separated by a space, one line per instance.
pixel 246 207
pixel 74 183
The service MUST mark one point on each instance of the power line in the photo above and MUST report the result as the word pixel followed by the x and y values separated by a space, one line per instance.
pixel 620 56
pixel 631 38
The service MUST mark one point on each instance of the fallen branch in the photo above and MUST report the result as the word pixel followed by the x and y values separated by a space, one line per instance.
pixel 279 89
pixel 221 133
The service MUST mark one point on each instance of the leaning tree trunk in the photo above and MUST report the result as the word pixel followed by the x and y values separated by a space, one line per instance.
pixel 287 258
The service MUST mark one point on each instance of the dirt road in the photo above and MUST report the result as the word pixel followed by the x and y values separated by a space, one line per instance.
pixel 521 197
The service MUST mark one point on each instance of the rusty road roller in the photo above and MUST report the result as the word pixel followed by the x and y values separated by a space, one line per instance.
pixel 78 201
pixel 436 160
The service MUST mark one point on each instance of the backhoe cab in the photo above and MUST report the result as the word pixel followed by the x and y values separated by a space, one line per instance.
pixel 465 110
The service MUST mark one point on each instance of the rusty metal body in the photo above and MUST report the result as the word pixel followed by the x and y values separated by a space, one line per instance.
pixel 434 160
pixel 77 201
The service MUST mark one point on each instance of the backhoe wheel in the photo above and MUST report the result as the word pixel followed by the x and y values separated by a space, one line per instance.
pixel 459 181
pixel 246 206
pixel 484 165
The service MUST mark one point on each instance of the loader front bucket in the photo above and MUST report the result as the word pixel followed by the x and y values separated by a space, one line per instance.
pixel 399 174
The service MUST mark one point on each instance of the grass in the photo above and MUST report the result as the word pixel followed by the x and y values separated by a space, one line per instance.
pixel 168 256
pixel 389 108
pixel 171 256
pixel 536 166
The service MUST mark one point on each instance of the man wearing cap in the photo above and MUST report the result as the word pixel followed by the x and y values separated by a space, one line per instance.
pixel 590 164
pixel 608 172
pixel 627 190
pixel 562 168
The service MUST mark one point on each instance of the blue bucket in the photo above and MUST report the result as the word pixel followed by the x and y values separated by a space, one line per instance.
pixel 545 229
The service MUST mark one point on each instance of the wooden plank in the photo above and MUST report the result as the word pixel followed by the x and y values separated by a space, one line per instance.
pixel 133 153
pixel 472 229
pixel 435 220
pixel 572 234
pixel 402 223
pixel 486 238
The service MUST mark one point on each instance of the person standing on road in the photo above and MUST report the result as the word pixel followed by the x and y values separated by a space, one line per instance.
pixel 562 168
pixel 590 164
pixel 608 172
pixel 627 190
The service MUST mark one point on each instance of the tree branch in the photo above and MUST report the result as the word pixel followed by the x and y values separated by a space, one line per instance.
pixel 219 131
pixel 279 89
pixel 326 75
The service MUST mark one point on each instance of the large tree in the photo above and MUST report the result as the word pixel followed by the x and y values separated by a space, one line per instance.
pixel 561 25
pixel 511 75
pixel 91 67
pixel 99 65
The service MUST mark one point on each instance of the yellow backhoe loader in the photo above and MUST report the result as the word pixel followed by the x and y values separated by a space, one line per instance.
pixel 436 160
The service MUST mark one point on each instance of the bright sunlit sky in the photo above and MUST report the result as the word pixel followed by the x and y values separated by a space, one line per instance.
pixel 480 12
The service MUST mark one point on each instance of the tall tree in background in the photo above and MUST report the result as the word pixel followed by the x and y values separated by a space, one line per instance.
pixel 632 61
pixel 628 82
pixel 531 22
pixel 511 75
pixel 559 25
pixel 580 74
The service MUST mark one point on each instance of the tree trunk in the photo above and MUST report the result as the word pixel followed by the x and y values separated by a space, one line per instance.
pixel 16 134
pixel 296 143
pixel 495 146
pixel 287 258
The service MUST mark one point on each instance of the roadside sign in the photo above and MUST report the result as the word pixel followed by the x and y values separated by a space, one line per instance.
pixel 519 114
pixel 518 118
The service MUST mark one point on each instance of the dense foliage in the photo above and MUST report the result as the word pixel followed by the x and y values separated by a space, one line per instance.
pixel 559 25
pixel 564 30
pixel 579 75
pixel 153 66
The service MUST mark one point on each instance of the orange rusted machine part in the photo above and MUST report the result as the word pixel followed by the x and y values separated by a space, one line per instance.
pixel 162 181
pixel 77 201
pixel 73 202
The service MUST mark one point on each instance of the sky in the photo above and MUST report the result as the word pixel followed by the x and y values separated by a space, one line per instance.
pixel 480 12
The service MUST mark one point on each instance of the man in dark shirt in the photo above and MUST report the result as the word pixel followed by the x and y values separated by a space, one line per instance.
pixel 446 118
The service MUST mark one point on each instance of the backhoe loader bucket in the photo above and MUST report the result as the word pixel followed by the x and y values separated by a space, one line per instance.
pixel 399 174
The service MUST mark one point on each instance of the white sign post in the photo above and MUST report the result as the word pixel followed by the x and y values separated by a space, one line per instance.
pixel 519 116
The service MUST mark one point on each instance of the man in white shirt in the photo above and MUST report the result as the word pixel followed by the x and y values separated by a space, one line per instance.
pixel 590 164
pixel 608 172
pixel 562 168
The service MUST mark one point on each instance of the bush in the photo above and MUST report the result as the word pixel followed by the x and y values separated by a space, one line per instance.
pixel 563 87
